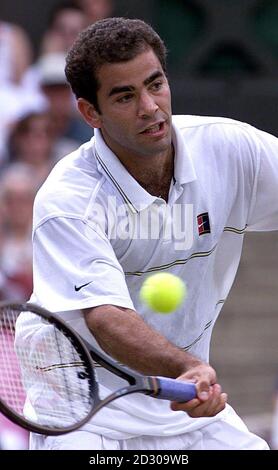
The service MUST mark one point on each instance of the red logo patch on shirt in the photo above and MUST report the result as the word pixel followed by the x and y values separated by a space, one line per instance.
pixel 203 223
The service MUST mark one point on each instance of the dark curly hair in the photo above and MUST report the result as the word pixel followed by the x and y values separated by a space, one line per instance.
pixel 108 41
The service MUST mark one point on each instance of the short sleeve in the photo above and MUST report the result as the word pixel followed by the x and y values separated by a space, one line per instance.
pixel 75 267
pixel 264 209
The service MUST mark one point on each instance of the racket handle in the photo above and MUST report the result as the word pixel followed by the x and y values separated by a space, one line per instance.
pixel 175 390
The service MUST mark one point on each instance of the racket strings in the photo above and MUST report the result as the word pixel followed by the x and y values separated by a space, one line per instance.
pixel 11 388
pixel 44 376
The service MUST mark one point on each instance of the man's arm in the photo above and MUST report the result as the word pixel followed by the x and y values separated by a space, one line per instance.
pixel 123 334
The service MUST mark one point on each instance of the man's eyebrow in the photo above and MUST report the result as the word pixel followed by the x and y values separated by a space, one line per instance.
pixel 153 77
pixel 121 89
pixel 128 88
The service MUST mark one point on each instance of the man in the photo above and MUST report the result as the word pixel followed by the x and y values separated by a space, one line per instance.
pixel 204 181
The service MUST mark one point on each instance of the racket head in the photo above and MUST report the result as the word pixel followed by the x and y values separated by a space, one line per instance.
pixel 47 379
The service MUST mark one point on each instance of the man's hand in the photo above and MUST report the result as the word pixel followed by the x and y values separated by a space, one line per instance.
pixel 124 335
pixel 210 399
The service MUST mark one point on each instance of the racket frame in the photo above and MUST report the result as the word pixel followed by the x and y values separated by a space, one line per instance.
pixel 138 383
pixel 148 385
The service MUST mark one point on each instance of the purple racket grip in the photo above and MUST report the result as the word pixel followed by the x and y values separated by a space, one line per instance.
pixel 176 390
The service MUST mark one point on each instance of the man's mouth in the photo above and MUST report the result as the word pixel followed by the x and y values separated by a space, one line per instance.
pixel 154 129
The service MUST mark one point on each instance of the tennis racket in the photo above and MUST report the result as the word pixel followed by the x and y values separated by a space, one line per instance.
pixel 48 383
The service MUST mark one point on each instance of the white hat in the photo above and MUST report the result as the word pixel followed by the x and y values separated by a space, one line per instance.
pixel 51 68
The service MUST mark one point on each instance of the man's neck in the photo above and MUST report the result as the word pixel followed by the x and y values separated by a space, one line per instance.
pixel 155 174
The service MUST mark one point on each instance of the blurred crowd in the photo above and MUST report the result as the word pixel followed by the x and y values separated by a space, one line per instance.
pixel 39 124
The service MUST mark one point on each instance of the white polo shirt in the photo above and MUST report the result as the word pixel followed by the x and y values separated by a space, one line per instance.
pixel 98 234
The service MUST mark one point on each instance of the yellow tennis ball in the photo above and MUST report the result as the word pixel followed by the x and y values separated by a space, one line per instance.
pixel 163 292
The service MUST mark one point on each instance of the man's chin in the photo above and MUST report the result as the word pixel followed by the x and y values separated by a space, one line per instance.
pixel 156 148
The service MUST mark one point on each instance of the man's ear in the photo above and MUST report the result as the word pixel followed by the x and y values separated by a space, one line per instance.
pixel 89 113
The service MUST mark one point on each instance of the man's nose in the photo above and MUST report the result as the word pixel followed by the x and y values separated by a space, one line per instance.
pixel 147 105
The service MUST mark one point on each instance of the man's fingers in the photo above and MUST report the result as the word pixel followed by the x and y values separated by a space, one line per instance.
pixel 213 404
pixel 204 390
pixel 208 409
pixel 185 406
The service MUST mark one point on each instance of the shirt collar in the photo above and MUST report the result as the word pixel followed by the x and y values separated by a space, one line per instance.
pixel 133 194
pixel 184 170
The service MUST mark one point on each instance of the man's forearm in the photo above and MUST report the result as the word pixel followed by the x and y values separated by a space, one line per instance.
pixel 123 334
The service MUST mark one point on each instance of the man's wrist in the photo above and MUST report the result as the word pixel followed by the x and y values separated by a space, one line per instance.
pixel 188 362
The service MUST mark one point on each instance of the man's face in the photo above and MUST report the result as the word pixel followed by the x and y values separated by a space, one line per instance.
pixel 135 107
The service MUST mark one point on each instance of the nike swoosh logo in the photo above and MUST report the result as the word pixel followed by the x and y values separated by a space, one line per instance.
pixel 81 287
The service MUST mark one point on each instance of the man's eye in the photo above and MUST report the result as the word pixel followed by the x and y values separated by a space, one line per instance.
pixel 156 86
pixel 124 99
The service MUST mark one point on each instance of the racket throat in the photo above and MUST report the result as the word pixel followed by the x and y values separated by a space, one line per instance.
pixel 119 394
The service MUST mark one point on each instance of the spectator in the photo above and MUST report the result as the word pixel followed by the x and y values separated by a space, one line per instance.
pixel 15 53
pixel 32 142
pixel 18 185
pixel 16 101
pixel 65 22
pixel 96 9
pixel 66 121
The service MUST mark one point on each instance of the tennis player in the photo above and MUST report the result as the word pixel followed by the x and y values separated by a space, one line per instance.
pixel 149 193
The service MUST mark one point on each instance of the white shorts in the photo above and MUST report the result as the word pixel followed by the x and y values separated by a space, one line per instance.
pixel 218 435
